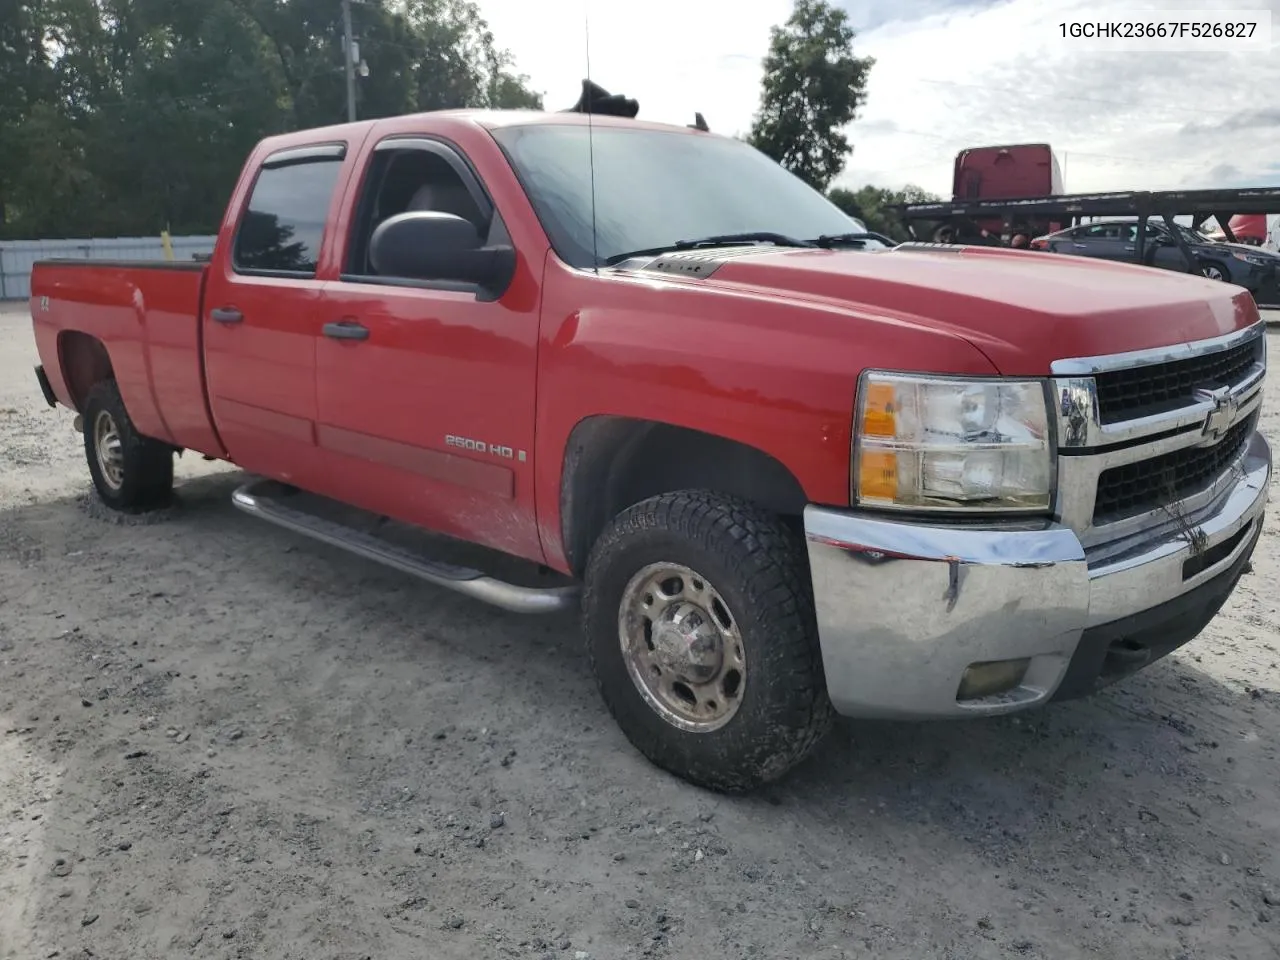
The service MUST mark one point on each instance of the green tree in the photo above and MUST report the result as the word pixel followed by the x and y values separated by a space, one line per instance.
pixel 464 66
pixel 129 116
pixel 813 88
pixel 26 79
pixel 876 207
pixel 197 92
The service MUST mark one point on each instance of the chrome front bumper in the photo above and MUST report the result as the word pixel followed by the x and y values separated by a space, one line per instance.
pixel 905 608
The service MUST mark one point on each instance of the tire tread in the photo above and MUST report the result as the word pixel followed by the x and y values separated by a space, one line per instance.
pixel 768 561
pixel 148 463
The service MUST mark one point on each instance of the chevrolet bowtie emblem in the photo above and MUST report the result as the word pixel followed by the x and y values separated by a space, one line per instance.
pixel 1222 416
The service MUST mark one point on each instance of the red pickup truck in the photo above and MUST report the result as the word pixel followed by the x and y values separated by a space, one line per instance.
pixel 785 475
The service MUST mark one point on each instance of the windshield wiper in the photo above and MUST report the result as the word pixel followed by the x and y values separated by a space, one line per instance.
pixel 719 240
pixel 829 240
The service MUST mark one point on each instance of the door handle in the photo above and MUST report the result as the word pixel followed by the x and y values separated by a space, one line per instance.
pixel 226 315
pixel 1129 247
pixel 1081 246
pixel 346 330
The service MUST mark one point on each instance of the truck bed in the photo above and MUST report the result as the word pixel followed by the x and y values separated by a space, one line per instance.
pixel 146 316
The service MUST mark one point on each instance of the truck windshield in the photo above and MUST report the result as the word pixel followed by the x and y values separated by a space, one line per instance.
pixel 655 188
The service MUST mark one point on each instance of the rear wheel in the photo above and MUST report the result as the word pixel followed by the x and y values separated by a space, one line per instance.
pixel 131 473
pixel 699 624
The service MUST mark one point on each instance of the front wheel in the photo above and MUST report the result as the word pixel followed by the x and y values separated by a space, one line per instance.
pixel 700 628
pixel 1214 271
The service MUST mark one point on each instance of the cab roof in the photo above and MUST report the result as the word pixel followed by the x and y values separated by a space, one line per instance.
pixel 605 110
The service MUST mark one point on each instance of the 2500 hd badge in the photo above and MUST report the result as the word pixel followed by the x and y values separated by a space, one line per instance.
pixel 479 446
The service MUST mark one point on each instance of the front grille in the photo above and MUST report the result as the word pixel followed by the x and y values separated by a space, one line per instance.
pixel 1147 484
pixel 1136 392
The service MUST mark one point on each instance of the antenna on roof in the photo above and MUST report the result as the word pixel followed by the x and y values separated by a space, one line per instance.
pixel 699 123
pixel 585 104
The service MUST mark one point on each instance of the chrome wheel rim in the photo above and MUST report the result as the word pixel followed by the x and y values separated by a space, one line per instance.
pixel 682 647
pixel 110 450
pixel 1213 273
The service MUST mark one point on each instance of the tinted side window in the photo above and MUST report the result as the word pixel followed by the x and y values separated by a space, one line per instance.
pixel 282 229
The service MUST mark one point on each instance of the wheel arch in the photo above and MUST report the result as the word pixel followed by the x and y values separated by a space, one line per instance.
pixel 84 361
pixel 612 462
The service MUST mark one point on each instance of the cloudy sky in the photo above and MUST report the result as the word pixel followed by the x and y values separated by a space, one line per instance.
pixel 949 74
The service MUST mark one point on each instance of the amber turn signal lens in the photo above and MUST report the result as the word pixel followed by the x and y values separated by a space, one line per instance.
pixel 878 416
pixel 878 475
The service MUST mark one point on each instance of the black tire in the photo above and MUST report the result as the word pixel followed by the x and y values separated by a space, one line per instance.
pixel 1207 265
pixel 758 567
pixel 139 477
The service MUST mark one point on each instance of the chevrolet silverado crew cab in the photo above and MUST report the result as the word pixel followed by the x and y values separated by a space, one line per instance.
pixel 784 473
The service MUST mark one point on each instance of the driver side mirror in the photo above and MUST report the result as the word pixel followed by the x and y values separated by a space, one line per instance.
pixel 432 245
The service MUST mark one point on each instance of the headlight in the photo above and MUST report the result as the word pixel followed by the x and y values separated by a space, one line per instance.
pixel 932 443
pixel 1256 259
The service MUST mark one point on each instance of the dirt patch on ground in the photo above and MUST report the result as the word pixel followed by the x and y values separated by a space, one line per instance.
pixel 221 740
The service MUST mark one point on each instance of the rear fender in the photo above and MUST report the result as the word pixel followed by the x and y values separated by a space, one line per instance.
pixel 83 361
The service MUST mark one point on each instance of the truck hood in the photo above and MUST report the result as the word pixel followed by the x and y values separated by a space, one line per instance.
pixel 1022 309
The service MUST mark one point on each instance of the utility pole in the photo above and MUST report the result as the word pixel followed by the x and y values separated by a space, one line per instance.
pixel 348 54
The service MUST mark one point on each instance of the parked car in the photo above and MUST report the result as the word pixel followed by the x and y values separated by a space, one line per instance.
pixel 1246 266
pixel 644 371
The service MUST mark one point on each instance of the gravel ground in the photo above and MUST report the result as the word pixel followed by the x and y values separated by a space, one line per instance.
pixel 220 740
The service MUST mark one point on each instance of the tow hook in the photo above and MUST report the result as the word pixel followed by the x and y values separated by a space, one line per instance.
pixel 78 424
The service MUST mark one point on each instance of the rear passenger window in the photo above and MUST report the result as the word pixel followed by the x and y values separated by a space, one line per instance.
pixel 284 224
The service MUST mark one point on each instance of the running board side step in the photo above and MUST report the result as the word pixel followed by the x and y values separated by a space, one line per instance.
pixel 255 499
